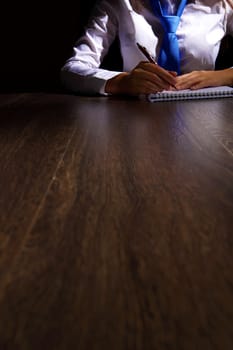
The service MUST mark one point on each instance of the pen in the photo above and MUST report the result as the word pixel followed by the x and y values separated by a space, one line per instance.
pixel 146 53
pixel 148 56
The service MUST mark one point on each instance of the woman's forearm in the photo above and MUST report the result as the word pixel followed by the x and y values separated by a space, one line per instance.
pixel 227 76
pixel 201 79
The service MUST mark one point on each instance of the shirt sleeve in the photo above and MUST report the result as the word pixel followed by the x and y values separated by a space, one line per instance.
pixel 82 73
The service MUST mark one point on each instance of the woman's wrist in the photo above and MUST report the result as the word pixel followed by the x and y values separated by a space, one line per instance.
pixel 116 85
pixel 225 76
pixel 231 76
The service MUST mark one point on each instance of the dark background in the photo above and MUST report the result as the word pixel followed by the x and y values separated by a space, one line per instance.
pixel 37 38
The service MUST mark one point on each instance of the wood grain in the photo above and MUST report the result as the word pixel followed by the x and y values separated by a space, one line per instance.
pixel 121 229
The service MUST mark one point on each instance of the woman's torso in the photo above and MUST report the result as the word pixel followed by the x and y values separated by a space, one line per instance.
pixel 202 26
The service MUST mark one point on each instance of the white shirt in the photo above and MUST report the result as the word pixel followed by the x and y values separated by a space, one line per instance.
pixel 202 26
pixel 170 6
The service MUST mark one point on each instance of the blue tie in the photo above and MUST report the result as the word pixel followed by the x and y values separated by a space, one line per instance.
pixel 169 57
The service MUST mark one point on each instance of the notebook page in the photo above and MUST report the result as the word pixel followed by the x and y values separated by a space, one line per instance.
pixel 211 92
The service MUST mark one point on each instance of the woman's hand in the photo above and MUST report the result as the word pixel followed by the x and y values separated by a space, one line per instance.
pixel 201 79
pixel 145 78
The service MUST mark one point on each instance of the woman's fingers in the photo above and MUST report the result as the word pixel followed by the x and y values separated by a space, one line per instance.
pixel 186 81
pixel 165 77
pixel 148 76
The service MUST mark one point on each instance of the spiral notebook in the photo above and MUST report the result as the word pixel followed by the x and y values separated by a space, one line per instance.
pixel 211 92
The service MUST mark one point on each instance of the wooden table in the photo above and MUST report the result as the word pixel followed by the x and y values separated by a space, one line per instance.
pixel 116 223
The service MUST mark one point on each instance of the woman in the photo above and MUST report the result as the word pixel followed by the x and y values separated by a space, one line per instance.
pixel 201 27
